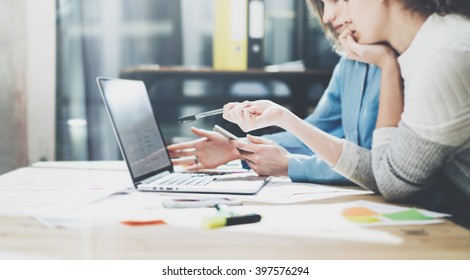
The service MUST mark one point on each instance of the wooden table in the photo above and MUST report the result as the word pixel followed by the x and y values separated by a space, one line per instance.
pixel 24 235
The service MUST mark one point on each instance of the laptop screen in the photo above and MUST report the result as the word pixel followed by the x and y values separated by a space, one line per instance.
pixel 136 128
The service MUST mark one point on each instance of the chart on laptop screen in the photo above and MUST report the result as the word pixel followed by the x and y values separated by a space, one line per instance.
pixel 137 128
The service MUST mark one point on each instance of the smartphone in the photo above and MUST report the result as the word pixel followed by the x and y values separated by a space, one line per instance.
pixel 198 202
pixel 225 133
pixel 230 135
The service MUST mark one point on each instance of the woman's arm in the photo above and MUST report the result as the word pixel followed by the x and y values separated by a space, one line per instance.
pixel 262 113
pixel 259 114
pixel 327 115
pixel 391 95
pixel 391 85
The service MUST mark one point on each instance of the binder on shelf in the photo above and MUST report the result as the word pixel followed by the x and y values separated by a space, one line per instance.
pixel 255 33
pixel 230 42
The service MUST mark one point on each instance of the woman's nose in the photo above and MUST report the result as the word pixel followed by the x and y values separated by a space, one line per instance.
pixel 328 16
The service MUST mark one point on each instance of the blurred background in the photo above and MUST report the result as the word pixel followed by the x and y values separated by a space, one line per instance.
pixel 52 51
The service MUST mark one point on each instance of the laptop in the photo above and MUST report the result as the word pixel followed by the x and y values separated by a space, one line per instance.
pixel 144 150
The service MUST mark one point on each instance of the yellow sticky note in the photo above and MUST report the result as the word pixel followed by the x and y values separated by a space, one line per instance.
pixel 361 215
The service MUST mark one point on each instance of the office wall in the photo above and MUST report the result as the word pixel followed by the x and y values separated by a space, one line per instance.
pixel 27 82
pixel 40 78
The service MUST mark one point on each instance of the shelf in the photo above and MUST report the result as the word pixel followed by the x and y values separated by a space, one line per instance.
pixel 298 83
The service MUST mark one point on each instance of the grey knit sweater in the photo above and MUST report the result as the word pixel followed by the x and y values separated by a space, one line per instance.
pixel 408 167
pixel 430 149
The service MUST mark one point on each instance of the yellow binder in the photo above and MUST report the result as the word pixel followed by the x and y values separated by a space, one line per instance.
pixel 230 42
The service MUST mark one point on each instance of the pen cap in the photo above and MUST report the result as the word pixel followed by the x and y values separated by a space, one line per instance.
pixel 240 220
pixel 214 222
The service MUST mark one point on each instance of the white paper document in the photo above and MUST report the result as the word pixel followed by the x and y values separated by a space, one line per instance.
pixel 331 221
pixel 59 190
pixel 283 191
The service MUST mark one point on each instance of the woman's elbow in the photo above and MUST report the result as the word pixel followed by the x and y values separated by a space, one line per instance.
pixel 392 197
pixel 393 193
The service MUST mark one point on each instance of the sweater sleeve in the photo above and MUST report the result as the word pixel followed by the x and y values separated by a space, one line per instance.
pixel 398 169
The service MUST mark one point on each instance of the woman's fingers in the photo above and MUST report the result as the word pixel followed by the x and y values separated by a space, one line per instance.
pixel 245 114
pixel 181 146
pixel 239 111
pixel 349 45
pixel 201 132
pixel 258 140
pixel 251 164
pixel 228 110
pixel 354 47
pixel 183 161
pixel 246 147
pixel 234 111
pixel 184 153
pixel 195 167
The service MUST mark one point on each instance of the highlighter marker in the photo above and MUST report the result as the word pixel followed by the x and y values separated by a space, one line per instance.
pixel 220 221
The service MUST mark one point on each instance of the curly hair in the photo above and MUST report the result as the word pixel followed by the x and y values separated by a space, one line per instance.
pixel 440 7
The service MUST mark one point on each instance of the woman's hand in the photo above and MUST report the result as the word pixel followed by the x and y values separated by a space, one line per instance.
pixel 254 115
pixel 391 102
pixel 209 151
pixel 265 157
pixel 377 54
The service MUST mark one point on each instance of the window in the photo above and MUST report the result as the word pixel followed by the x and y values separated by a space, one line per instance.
pixel 98 38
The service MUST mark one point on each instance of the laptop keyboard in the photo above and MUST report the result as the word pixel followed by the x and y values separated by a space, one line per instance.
pixel 185 179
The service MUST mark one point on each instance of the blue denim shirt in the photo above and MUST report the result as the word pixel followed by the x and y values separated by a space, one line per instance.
pixel 347 109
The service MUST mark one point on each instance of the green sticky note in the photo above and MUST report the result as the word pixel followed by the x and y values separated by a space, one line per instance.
pixel 407 215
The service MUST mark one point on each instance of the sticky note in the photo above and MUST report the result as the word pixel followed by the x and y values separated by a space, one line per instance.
pixel 358 211
pixel 363 219
pixel 143 223
pixel 361 215
pixel 407 215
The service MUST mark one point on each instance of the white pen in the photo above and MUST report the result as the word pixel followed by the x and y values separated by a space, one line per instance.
pixel 198 116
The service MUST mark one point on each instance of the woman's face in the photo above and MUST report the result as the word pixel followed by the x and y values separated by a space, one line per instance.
pixel 334 12
pixel 368 18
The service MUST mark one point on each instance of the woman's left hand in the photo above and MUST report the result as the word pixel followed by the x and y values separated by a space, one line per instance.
pixel 391 103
